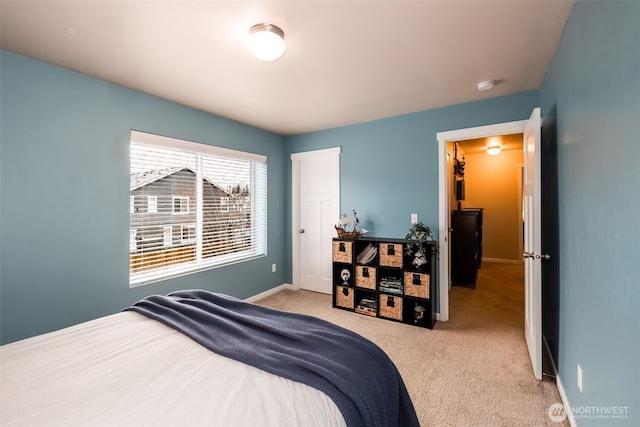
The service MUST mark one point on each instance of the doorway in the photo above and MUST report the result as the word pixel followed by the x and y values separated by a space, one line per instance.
pixel 445 185
pixel 532 208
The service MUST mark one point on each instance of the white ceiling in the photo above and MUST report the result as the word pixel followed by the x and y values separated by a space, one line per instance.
pixel 346 61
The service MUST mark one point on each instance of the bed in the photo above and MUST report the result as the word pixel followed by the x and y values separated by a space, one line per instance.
pixel 199 358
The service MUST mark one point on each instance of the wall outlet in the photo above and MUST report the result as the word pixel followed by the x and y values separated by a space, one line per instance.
pixel 273 268
pixel 414 218
pixel 580 378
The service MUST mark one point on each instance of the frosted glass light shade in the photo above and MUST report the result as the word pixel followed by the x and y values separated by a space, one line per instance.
pixel 494 149
pixel 266 42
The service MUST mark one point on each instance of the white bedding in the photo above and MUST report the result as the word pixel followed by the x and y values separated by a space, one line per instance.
pixel 126 370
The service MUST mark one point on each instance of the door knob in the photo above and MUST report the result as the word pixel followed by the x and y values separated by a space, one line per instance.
pixel 545 257
pixel 301 231
pixel 527 255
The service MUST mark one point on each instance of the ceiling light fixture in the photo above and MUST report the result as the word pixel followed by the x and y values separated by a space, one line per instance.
pixel 266 42
pixel 494 149
pixel 486 85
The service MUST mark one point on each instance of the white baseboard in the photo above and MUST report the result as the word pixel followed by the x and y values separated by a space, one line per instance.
pixel 269 292
pixel 565 402
pixel 503 261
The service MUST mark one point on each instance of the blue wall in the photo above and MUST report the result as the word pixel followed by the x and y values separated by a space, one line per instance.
pixel 594 81
pixel 65 196
pixel 64 252
pixel 389 167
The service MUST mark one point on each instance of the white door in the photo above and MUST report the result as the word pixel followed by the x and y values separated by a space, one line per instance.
pixel 316 209
pixel 532 242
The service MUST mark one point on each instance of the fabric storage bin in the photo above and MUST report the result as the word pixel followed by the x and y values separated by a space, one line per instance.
pixel 390 254
pixel 416 284
pixel 365 277
pixel 344 297
pixel 390 306
pixel 342 251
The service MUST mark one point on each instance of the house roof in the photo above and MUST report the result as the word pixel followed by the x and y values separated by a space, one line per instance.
pixel 346 61
pixel 141 179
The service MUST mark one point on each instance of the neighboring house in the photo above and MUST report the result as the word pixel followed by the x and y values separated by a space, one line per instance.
pixel 163 218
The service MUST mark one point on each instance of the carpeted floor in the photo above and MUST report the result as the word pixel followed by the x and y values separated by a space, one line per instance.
pixel 473 370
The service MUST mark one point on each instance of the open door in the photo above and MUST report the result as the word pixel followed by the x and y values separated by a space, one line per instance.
pixel 532 242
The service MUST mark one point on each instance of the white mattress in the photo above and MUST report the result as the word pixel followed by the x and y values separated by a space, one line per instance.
pixel 126 369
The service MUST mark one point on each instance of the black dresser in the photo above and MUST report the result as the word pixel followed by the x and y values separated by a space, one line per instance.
pixel 466 246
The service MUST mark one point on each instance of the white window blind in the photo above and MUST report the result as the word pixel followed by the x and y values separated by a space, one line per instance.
pixel 209 207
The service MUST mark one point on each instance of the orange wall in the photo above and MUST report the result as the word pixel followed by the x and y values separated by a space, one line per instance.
pixel 494 183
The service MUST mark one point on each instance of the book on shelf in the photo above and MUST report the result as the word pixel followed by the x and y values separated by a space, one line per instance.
pixel 367 255
pixel 368 304
pixel 391 285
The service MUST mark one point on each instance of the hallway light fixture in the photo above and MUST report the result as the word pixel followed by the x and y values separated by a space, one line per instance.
pixel 493 150
pixel 266 42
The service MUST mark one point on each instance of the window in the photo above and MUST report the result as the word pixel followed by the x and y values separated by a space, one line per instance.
pixel 167 235
pixel 180 205
pixel 152 204
pixel 187 233
pixel 209 207
pixel 132 240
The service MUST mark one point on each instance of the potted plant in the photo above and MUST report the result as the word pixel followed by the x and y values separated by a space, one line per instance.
pixel 416 243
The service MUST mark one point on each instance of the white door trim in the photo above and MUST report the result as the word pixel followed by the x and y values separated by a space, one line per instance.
pixel 443 197
pixel 295 205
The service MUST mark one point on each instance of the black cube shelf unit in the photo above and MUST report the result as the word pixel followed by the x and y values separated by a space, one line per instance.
pixel 384 282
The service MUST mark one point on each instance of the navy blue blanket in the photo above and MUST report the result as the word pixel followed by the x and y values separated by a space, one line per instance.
pixel 359 377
